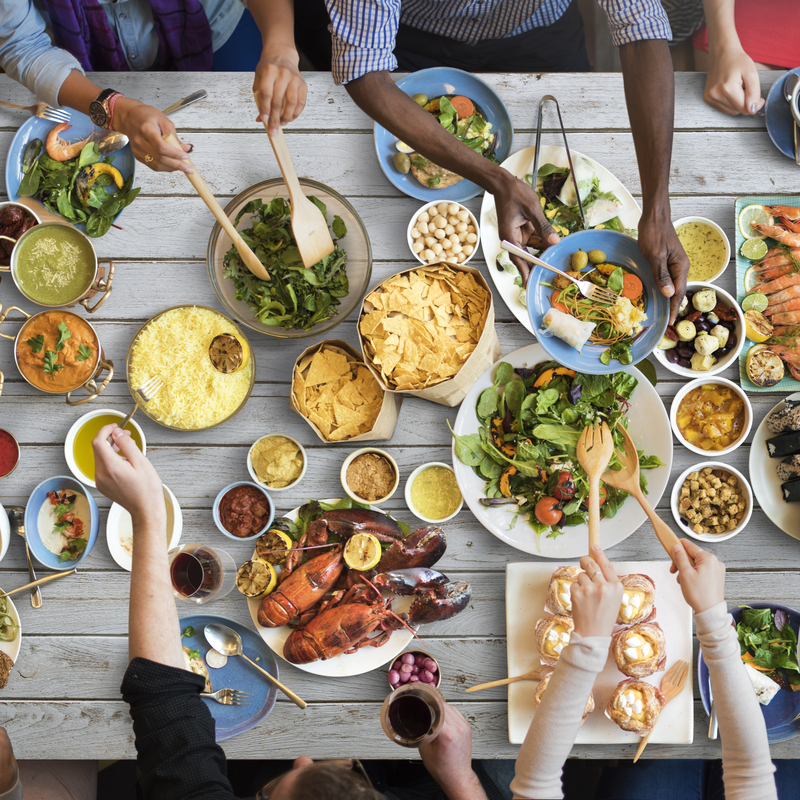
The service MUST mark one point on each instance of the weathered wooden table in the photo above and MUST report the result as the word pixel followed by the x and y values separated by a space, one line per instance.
pixel 65 686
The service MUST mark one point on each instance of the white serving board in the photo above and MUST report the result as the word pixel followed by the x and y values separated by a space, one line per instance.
pixel 526 593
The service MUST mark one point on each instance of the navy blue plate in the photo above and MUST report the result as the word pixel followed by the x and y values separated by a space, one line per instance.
pixel 434 82
pixel 779 119
pixel 782 715
pixel 619 249
pixel 38 128
pixel 236 674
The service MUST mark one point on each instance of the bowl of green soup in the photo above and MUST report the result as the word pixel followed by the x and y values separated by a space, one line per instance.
pixel 54 265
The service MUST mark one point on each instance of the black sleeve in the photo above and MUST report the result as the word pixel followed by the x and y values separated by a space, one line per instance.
pixel 177 752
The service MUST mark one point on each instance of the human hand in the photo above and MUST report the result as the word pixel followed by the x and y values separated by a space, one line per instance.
pixel 732 85
pixel 8 764
pixel 659 244
pixel 132 481
pixel 596 595
pixel 520 219
pixel 145 126
pixel 701 575
pixel 279 88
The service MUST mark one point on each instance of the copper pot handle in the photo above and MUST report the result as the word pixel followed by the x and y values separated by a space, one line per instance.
pixel 91 384
pixel 101 285
pixel 8 239
pixel 5 314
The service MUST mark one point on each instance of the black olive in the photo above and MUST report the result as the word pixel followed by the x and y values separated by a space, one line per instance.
pixel 702 325
pixel 731 341
pixel 729 325
pixel 685 363
pixel 722 352
pixel 685 351
pixel 673 356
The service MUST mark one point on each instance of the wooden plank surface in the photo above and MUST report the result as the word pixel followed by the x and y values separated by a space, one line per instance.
pixel 74 650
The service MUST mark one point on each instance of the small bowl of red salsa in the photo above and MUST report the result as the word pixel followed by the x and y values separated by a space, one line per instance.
pixel 9 453
pixel 243 510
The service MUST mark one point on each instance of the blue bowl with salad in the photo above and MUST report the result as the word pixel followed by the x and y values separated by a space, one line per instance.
pixel 468 121
pixel 761 623
pixel 620 336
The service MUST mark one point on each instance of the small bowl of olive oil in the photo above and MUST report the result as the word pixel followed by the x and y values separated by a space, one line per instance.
pixel 706 245
pixel 78 445
pixel 432 492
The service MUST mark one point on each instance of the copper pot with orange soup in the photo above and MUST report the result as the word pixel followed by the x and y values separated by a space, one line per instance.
pixel 59 352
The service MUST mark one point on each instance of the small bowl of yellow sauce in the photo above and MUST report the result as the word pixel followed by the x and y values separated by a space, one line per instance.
pixel 78 445
pixel 432 492
pixel 706 246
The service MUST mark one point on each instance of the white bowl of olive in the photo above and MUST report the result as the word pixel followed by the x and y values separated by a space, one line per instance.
pixel 707 336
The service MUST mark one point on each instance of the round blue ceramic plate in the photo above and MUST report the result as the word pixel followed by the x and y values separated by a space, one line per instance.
pixel 619 249
pixel 38 128
pixel 782 715
pixel 236 674
pixel 434 82
pixel 778 116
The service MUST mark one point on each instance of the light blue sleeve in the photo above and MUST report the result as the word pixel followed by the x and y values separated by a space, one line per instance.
pixel 636 20
pixel 364 33
pixel 27 54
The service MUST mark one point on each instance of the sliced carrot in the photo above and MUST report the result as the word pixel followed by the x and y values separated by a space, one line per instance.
pixel 748 657
pixel 556 305
pixel 631 286
pixel 463 105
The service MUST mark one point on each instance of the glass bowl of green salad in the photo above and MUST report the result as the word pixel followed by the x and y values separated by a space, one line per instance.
pixel 295 302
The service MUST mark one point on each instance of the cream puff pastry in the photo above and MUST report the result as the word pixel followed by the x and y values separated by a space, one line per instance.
pixel 559 600
pixel 635 706
pixel 537 697
pixel 552 636
pixel 638 596
pixel 640 650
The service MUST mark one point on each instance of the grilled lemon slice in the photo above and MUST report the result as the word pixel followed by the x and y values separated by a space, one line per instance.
pixel 256 578
pixel 228 353
pixel 757 327
pixel 764 368
pixel 362 551
pixel 273 539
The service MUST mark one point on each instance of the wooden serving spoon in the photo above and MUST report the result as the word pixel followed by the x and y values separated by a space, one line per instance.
pixel 595 448
pixel 248 256
pixel 627 479
pixel 536 674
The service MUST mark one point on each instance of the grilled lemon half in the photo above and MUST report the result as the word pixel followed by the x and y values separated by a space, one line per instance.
pixel 256 578
pixel 764 368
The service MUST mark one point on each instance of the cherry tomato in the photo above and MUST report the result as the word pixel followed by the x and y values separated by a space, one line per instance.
pixel 603 495
pixel 565 487
pixel 546 511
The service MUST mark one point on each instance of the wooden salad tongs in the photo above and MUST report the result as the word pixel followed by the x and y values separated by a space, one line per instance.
pixel 247 255
pixel 595 448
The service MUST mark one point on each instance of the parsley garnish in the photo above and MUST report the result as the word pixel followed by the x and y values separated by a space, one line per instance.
pixel 50 366
pixel 63 336
pixel 194 654
pixel 36 343
pixel 84 352
pixel 187 631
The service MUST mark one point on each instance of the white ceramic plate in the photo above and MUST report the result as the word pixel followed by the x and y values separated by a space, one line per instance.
pixel 526 592
pixel 5 532
pixel 520 164
pixel 11 649
pixel 364 660
pixel 119 530
pixel 649 427
pixel 765 482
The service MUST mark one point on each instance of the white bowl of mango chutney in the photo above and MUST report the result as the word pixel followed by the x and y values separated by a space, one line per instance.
pixel 78 450
pixel 706 245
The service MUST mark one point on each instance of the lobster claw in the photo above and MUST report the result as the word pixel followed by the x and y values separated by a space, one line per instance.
pixel 440 603
pixel 346 522
pixel 410 581
pixel 422 548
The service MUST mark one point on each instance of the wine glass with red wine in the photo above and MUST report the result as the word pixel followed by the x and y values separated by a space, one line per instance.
pixel 201 573
pixel 413 714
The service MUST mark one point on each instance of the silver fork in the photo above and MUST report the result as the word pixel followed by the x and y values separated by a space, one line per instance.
pixel 229 697
pixel 586 288
pixel 145 392
pixel 42 110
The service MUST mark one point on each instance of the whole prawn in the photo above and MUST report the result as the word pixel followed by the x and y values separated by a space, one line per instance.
pixel 779 234
pixel 58 149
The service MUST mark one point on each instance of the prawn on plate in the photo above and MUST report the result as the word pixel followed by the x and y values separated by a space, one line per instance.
pixel 60 150
pixel 778 284
pixel 779 234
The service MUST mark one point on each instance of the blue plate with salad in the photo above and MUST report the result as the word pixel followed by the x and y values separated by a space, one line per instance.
pixel 514 451
pixel 479 118
pixel 588 336
pixel 768 635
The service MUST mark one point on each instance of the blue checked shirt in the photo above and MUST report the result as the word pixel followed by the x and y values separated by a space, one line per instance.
pixel 364 31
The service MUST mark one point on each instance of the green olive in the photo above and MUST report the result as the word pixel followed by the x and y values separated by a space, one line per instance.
pixel 579 260
pixel 420 99
pixel 402 163
pixel 597 256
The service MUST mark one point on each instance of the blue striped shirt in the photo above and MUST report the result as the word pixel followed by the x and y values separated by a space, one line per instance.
pixel 364 31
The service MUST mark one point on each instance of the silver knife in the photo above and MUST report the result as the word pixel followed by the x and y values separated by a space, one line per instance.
pixel 187 101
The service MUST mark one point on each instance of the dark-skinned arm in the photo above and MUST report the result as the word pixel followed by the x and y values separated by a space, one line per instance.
pixel 650 95
pixel 519 212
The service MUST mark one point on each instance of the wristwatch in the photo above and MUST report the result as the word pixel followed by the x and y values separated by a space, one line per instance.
pixel 100 109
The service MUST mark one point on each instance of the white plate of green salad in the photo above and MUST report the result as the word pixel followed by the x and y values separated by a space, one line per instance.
pixel 296 302
pixel 607 205
pixel 526 412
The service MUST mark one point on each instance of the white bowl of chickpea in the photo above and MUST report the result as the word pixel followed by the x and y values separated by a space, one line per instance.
pixel 444 231
pixel 722 497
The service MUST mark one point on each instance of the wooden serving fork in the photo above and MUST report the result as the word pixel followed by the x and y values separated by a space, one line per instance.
pixel 671 686
pixel 595 448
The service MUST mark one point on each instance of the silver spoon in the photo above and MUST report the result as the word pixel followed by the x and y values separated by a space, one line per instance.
pixel 790 89
pixel 114 140
pixel 225 640
pixel 16 516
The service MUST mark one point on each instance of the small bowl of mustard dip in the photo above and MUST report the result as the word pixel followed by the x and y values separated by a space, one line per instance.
pixel 706 245
pixel 370 475
pixel 277 462
pixel 432 492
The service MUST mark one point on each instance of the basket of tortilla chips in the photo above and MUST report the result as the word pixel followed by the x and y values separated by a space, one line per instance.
pixel 339 397
pixel 430 332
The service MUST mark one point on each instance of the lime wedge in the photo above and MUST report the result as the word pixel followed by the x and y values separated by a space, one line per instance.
pixel 750 214
pixel 754 249
pixel 755 302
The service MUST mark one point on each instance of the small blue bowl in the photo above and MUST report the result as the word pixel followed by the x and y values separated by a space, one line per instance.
pixel 215 511
pixel 35 501
pixel 619 249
